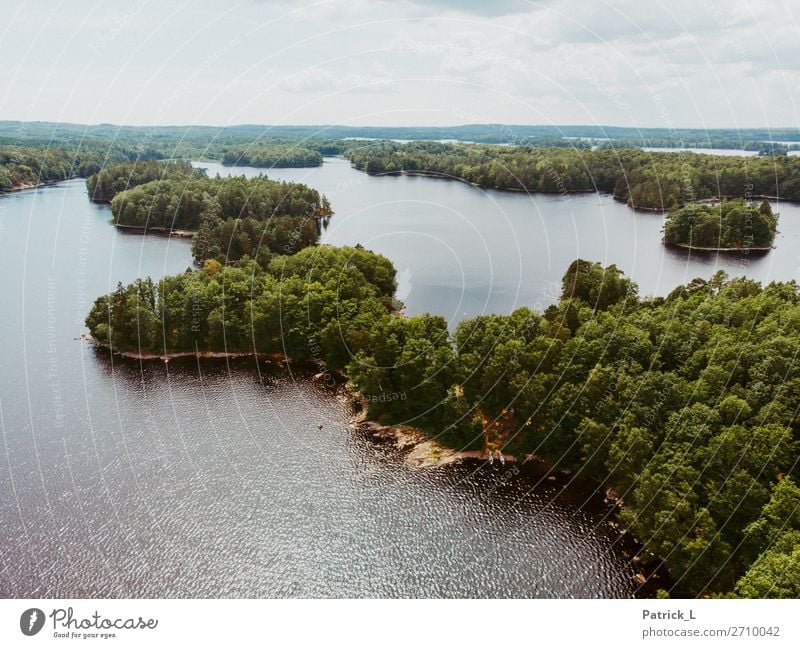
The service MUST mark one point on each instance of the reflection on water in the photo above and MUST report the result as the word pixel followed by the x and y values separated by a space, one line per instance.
pixel 462 251
pixel 213 481
pixel 153 480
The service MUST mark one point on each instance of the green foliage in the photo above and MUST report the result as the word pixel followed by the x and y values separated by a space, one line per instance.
pixel 733 224
pixel 114 179
pixel 233 217
pixel 179 204
pixel 685 405
pixel 321 304
pixel 776 573
pixel 22 166
pixel 275 156
pixel 598 287
pixel 641 179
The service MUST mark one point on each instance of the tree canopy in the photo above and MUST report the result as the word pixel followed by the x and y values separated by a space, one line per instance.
pixel 732 224
pixel 642 179
pixel 275 156
pixel 116 178
pixel 685 405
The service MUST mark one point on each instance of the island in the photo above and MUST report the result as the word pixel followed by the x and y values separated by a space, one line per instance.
pixel 228 218
pixel 729 226
pixel 641 179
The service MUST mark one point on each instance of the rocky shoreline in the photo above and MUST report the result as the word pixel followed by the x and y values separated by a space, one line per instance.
pixel 160 231
pixel 166 357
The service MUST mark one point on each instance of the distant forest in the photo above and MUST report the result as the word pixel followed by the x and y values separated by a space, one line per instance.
pixel 209 142
pixel 642 179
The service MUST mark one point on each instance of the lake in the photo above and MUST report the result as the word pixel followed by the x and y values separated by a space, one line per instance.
pixel 462 251
pixel 214 479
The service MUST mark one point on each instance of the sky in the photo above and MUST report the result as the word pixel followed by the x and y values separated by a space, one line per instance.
pixel 682 63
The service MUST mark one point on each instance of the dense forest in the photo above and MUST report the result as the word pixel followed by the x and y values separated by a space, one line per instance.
pixel 116 178
pixel 312 305
pixel 732 225
pixel 272 156
pixel 642 179
pixel 232 217
pixel 29 166
pixel 685 405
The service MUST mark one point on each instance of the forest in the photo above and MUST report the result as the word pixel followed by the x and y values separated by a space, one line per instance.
pixel 685 405
pixel 116 178
pixel 275 157
pixel 643 180
pixel 731 225
pixel 311 305
pixel 232 217
pixel 25 166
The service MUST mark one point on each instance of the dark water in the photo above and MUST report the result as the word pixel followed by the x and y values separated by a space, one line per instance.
pixel 152 480
pixel 461 251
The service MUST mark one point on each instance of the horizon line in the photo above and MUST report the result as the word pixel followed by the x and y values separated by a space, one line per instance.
pixel 409 127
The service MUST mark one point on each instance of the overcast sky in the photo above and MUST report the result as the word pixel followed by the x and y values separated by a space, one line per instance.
pixel 682 63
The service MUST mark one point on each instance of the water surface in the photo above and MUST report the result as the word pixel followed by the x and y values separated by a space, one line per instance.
pixel 462 251
pixel 215 479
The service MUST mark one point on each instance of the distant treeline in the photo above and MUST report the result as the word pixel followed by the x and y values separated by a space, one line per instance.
pixel 273 157
pixel 711 142
pixel 641 179
pixel 207 141
pixel 685 405
pixel 733 225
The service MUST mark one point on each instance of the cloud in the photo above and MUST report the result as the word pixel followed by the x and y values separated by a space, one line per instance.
pixel 320 80
pixel 480 7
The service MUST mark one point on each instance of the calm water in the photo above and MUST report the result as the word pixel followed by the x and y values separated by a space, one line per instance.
pixel 151 480
pixel 705 151
pixel 461 251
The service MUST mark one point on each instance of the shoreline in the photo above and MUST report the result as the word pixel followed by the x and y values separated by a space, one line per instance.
pixel 166 357
pixel 697 248
pixel 36 185
pixel 160 231
pixel 424 452
pixel 416 447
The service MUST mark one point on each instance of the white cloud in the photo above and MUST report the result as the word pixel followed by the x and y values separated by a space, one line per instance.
pixel 714 62
pixel 319 80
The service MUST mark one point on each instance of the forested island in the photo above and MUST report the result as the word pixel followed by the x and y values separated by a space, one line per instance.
pixel 683 406
pixel 642 179
pixel 730 225
pixel 230 217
